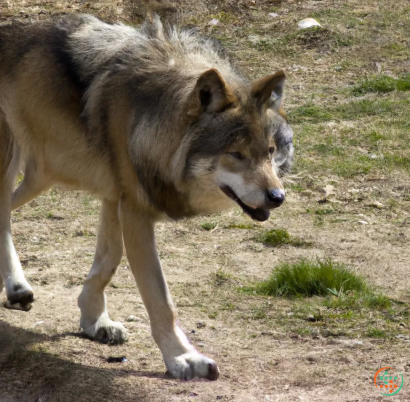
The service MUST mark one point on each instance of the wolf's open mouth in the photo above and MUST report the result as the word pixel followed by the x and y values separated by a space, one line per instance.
pixel 258 214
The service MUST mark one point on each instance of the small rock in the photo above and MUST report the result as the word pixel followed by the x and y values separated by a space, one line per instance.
pixel 374 156
pixel 363 222
pixel 308 23
pixel 376 204
pixel 39 323
pixel 214 22
pixel 202 344
pixel 273 15
pixel 200 324
pixel 329 190
pixel 131 318
pixel 193 332
pixel 357 343
pixel 405 337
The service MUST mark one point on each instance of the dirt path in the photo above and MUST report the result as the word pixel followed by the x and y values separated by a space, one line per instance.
pixel 265 348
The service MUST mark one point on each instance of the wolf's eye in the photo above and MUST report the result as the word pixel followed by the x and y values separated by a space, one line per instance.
pixel 236 155
pixel 272 150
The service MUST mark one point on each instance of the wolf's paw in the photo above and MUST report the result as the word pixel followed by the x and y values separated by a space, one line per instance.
pixel 191 365
pixel 20 298
pixel 108 331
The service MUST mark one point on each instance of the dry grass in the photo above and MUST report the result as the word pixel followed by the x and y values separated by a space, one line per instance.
pixel 348 198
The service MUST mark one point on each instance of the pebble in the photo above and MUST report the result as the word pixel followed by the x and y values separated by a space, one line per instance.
pixel 131 318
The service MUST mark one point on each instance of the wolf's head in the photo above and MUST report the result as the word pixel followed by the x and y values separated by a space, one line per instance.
pixel 237 145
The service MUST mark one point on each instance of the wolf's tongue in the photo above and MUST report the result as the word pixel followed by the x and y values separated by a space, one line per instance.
pixel 258 214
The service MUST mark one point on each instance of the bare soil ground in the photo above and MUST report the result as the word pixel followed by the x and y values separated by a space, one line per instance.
pixel 349 196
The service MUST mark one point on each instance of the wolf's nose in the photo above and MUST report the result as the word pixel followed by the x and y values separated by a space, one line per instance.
pixel 276 196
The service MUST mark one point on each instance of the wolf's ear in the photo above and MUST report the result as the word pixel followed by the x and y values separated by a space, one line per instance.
pixel 268 91
pixel 210 94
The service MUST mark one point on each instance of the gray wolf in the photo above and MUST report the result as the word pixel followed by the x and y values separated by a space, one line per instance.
pixel 153 121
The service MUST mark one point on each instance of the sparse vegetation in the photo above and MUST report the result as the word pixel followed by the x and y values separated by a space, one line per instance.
pixel 382 84
pixel 279 237
pixel 306 278
pixel 208 225
pixel 241 226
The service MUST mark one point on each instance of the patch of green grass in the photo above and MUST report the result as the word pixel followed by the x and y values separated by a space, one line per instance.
pixel 225 17
pixel 381 84
pixel 279 237
pixel 328 149
pixel 208 225
pixel 319 37
pixel 306 279
pixel 403 84
pixel 375 333
pixel 240 226
pixel 355 110
pixel 343 289
pixel 297 187
pixel 352 166
pixel 310 113
pixel 322 211
pixel 366 107
pixel 399 161
pixel 358 300
pixel 375 136
pixel 220 277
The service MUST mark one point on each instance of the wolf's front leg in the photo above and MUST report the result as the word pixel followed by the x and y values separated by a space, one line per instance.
pixel 19 292
pixel 92 300
pixel 181 358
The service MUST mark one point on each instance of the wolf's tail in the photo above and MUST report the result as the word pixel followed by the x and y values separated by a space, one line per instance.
pixel 153 27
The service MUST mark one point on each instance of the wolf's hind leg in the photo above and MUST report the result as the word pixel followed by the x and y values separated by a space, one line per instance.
pixel 19 292
pixel 181 358
pixel 92 301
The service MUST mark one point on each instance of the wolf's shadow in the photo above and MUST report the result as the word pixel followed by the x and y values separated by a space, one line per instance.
pixel 30 374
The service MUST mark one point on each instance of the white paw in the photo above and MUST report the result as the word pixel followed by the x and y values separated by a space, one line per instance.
pixel 191 365
pixel 19 296
pixel 107 331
